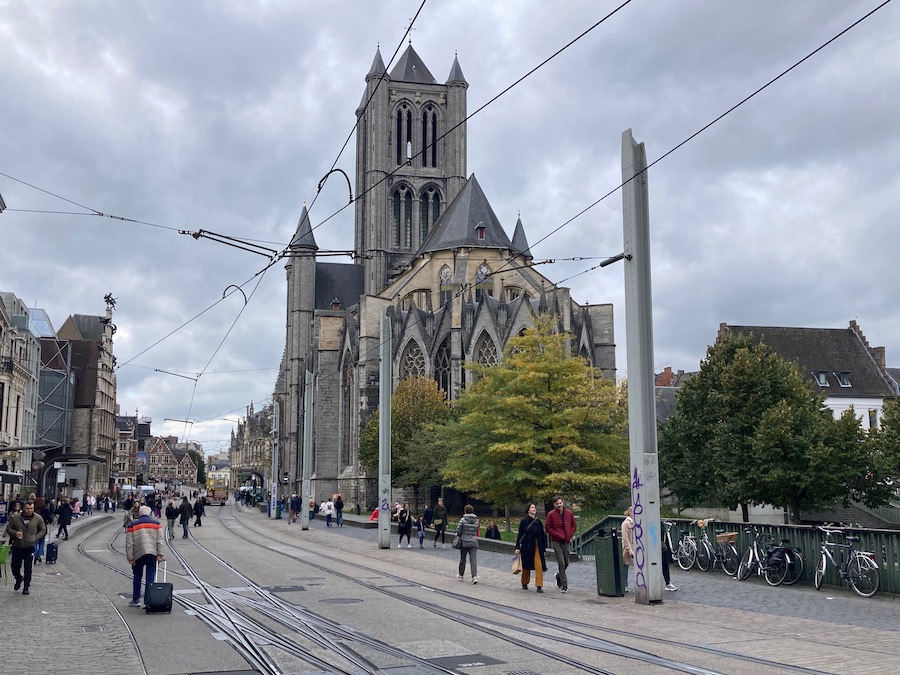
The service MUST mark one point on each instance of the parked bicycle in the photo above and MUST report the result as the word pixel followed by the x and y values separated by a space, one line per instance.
pixel 723 554
pixel 686 552
pixel 857 568
pixel 754 558
pixel 783 564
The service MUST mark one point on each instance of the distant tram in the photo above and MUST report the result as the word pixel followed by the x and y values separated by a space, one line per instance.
pixel 216 491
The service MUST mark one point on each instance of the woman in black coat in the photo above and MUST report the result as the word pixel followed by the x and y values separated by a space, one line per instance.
pixel 404 525
pixel 530 545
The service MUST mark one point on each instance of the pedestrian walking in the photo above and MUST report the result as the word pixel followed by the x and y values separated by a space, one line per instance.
pixel 492 531
pixel 561 528
pixel 339 510
pixel 46 512
pixel 530 545
pixel 63 517
pixel 666 561
pixel 428 515
pixel 185 512
pixel 89 502
pixel 312 509
pixel 404 525
pixel 439 522
pixel 199 512
pixel 294 508
pixel 467 536
pixel 76 508
pixel 131 514
pixel 329 512
pixel 143 549
pixel 628 543
pixel 106 504
pixel 171 515
pixel 420 529
pixel 24 528
pixel 157 506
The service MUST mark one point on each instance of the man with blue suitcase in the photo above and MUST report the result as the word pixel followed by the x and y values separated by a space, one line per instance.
pixel 144 539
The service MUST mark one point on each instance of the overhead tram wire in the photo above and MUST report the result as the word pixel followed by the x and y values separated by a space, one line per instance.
pixel 468 286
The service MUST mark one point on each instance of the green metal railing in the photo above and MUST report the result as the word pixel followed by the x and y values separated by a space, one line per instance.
pixel 885 544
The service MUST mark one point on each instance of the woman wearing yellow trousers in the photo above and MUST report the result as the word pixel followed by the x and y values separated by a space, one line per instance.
pixel 530 545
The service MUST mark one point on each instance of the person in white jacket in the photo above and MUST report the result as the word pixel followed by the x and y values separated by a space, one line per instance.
pixel 329 512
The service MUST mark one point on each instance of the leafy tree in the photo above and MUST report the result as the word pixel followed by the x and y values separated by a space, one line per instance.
pixel 538 424
pixel 748 430
pixel 416 406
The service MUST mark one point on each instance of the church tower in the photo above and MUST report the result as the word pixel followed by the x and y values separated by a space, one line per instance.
pixel 410 161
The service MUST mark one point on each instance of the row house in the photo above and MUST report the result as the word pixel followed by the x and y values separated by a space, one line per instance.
pixel 250 450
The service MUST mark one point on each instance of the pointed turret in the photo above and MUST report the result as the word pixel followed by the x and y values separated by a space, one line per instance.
pixel 456 74
pixel 303 237
pixel 377 68
pixel 519 242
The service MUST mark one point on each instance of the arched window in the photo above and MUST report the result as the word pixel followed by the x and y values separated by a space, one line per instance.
pixel 421 297
pixel 442 366
pixel 485 351
pixel 484 282
pixel 347 396
pixel 412 363
pixel 429 136
pixel 430 210
pixel 446 287
pixel 404 132
pixel 402 207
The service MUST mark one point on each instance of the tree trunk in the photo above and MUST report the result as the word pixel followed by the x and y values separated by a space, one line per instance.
pixel 745 512
pixel 506 511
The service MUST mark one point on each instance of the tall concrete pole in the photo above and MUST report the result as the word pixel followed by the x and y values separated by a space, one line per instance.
pixel 276 406
pixel 384 437
pixel 306 469
pixel 647 568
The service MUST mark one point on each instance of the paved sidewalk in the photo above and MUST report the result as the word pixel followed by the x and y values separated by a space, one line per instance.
pixel 68 626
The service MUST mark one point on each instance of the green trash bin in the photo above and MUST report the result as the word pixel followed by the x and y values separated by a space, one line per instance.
pixel 278 511
pixel 608 557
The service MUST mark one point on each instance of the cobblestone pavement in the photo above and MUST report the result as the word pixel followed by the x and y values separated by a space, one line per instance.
pixel 65 625
pixel 834 604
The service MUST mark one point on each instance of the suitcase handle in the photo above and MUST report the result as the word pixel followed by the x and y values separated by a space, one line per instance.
pixel 165 569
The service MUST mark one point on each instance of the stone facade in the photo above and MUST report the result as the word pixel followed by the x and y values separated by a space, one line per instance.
pixel 432 256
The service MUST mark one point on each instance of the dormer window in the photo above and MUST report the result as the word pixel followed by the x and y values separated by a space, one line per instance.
pixel 821 378
pixel 843 378
pixel 480 230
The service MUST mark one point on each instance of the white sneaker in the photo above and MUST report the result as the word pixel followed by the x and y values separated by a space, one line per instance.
pixel 409 546
pixel 134 603
pixel 443 545
pixel 474 580
pixel 459 577
pixel 671 587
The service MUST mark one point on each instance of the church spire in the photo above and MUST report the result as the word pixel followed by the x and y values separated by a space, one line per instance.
pixel 377 68
pixel 456 74
pixel 303 237
pixel 519 242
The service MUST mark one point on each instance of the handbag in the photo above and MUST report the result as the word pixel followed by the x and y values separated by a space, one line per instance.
pixel 517 564
pixel 457 542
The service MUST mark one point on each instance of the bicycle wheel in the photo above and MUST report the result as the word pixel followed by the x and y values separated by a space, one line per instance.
pixel 730 560
pixel 705 556
pixel 820 572
pixel 687 554
pixel 776 570
pixel 745 566
pixel 794 567
pixel 863 576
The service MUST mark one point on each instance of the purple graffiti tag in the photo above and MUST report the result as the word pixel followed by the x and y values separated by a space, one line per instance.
pixel 640 581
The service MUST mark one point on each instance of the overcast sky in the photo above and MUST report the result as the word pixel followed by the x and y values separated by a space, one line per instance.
pixel 223 116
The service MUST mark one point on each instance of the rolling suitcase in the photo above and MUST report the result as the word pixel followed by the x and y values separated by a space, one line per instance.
pixel 159 595
pixel 52 554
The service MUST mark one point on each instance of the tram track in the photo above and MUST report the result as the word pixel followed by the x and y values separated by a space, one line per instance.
pixel 245 617
pixel 571 635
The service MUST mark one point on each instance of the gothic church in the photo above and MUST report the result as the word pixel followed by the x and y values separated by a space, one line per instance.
pixel 431 254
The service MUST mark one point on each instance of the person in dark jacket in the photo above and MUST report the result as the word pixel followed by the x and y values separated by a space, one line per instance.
pixel 24 529
pixel 186 512
pixel 467 532
pixel 439 522
pixel 199 512
pixel 63 517
pixel 339 510
pixel 404 525
pixel 46 512
pixel 171 515
pixel 492 531
pixel 295 508
pixel 530 545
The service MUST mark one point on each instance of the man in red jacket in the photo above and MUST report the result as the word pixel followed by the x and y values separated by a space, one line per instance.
pixel 560 527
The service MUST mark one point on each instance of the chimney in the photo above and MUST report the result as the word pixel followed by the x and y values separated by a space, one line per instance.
pixel 878 355
pixel 335 305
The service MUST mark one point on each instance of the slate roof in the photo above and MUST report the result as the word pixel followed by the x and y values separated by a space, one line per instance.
pixel 88 327
pixel 338 280
pixel 828 350
pixel 303 237
pixel 519 242
pixel 894 374
pixel 411 68
pixel 457 226
pixel 377 64
pixel 456 73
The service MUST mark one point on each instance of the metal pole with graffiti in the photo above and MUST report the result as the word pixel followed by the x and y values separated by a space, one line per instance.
pixel 647 572
pixel 384 436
